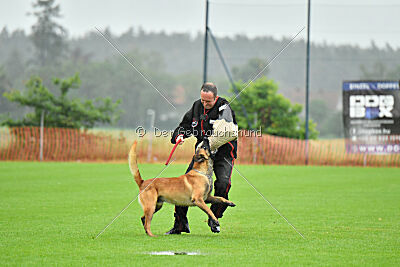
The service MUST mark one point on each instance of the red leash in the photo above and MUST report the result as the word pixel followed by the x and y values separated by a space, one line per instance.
pixel 173 150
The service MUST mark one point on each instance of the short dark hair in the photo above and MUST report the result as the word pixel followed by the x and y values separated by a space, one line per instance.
pixel 209 87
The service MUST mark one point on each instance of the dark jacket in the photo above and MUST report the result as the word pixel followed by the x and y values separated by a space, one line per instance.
pixel 199 122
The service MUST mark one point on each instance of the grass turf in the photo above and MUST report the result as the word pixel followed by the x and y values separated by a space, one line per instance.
pixel 51 211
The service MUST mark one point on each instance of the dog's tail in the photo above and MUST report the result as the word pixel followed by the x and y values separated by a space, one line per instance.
pixel 133 165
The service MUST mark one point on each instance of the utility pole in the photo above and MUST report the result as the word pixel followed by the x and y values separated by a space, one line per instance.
pixel 205 46
pixel 307 76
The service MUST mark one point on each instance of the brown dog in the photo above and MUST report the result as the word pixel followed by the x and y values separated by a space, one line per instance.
pixel 191 189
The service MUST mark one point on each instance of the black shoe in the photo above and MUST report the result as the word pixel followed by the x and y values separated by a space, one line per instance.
pixel 173 231
pixel 181 224
pixel 178 229
pixel 214 226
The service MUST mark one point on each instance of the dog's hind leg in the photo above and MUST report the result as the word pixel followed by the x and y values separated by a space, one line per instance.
pixel 148 215
pixel 148 200
pixel 219 200
pixel 158 207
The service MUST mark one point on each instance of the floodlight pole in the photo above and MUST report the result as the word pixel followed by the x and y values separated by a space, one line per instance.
pixel 307 78
pixel 205 46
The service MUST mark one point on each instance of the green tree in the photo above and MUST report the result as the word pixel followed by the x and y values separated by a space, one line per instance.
pixel 332 127
pixel 274 113
pixel 249 70
pixel 48 36
pixel 379 71
pixel 329 121
pixel 318 110
pixel 15 65
pixel 61 111
pixel 394 73
pixel 5 85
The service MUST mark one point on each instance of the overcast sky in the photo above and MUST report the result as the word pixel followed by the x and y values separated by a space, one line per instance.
pixel 335 21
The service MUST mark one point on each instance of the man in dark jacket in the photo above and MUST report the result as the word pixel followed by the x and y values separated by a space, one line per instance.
pixel 198 121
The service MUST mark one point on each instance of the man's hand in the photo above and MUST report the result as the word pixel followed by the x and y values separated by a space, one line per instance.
pixel 180 137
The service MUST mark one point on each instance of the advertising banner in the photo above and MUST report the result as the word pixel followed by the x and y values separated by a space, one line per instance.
pixel 371 116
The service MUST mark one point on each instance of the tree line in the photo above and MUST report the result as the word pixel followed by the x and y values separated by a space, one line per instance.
pixel 173 63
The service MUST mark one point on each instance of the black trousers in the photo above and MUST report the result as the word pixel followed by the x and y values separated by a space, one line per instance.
pixel 223 171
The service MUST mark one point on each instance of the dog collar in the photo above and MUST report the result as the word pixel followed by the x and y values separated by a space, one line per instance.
pixel 208 176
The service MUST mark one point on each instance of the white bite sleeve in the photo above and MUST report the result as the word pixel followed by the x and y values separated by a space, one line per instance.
pixel 223 132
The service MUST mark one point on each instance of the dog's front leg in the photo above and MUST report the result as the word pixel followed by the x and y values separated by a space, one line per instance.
pixel 199 202
pixel 219 200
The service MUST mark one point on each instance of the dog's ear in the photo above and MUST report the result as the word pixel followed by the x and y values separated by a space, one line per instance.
pixel 206 144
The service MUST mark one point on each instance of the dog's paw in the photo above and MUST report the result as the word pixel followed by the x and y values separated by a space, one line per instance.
pixel 215 230
pixel 214 226
pixel 231 204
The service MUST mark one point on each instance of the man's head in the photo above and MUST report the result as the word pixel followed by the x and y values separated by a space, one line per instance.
pixel 208 95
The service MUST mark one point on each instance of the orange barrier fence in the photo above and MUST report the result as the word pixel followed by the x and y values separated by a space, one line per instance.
pixel 61 144
pixel 269 149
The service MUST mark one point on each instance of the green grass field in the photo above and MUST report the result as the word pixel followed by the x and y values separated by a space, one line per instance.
pixel 51 211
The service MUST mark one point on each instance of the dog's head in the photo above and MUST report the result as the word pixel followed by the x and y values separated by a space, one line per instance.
pixel 203 151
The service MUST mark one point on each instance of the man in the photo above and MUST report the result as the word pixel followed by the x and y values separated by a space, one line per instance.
pixel 198 121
